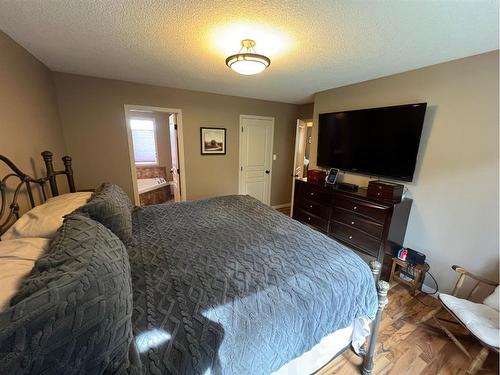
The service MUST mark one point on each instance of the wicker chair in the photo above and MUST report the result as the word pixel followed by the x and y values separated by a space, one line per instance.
pixel 479 320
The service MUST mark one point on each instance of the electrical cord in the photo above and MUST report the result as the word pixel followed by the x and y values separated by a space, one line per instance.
pixel 428 294
pixel 435 282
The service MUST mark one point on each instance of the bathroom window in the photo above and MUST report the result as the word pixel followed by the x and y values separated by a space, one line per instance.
pixel 144 140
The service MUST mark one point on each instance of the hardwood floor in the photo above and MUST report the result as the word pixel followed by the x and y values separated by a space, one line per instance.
pixel 284 210
pixel 406 346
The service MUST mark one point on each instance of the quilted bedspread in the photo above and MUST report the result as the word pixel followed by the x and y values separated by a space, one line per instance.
pixel 230 286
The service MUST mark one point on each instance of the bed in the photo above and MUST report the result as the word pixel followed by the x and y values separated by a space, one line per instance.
pixel 219 286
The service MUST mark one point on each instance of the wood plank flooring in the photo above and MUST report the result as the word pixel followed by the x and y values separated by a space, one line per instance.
pixel 407 346
pixel 284 210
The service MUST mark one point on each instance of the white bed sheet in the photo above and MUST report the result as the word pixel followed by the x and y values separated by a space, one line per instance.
pixel 327 348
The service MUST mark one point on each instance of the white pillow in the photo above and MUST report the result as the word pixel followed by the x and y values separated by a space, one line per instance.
pixel 493 300
pixel 17 258
pixel 45 220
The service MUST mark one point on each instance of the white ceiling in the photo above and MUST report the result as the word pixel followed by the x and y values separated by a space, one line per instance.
pixel 313 44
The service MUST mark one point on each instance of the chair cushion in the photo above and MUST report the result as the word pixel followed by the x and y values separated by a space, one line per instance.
pixel 480 319
pixel 493 300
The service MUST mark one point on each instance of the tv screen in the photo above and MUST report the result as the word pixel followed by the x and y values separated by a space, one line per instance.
pixel 378 141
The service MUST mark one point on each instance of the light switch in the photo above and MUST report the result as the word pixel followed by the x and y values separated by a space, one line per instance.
pixel 274 156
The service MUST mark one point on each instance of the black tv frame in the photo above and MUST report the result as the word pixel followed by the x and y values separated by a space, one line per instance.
pixel 368 173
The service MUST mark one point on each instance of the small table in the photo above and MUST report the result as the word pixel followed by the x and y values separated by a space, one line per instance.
pixel 418 272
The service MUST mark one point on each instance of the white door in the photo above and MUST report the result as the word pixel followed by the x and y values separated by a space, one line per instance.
pixel 256 154
pixel 300 150
pixel 176 186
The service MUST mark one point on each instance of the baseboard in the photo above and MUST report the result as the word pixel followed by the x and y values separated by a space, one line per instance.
pixel 428 290
pixel 285 205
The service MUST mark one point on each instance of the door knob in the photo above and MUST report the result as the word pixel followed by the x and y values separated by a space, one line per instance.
pixel 267 172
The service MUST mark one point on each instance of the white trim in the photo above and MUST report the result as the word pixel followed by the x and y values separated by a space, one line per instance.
pixel 429 290
pixel 300 124
pixel 180 148
pixel 286 205
pixel 240 161
pixel 147 164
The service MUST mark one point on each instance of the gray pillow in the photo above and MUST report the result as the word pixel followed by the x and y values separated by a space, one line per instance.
pixel 72 314
pixel 111 206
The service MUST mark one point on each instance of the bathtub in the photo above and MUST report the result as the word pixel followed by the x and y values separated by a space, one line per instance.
pixel 149 184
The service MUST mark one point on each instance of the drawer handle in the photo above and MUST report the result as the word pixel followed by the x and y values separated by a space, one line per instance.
pixel 350 237
pixel 309 218
pixel 312 193
pixel 310 206
pixel 352 222
pixel 355 208
pixel 380 187
pixel 378 193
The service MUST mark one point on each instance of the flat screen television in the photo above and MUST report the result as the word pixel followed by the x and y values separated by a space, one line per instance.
pixel 378 141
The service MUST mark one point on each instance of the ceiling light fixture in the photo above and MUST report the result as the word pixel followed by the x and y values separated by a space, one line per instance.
pixel 248 62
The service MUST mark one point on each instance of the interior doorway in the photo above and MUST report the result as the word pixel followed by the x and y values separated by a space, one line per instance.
pixel 303 136
pixel 256 156
pixel 156 154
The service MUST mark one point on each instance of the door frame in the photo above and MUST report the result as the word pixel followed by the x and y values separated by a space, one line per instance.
pixel 180 145
pixel 300 123
pixel 240 143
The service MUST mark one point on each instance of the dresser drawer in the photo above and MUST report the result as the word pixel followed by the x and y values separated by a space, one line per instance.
pixel 315 193
pixel 381 194
pixel 311 219
pixel 358 222
pixel 355 237
pixel 385 190
pixel 362 208
pixel 318 209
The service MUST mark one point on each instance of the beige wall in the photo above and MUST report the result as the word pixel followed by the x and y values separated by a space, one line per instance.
pixel 305 111
pixel 30 121
pixel 163 141
pixel 92 115
pixel 454 218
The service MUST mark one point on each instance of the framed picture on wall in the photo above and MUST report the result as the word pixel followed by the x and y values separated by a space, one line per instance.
pixel 213 141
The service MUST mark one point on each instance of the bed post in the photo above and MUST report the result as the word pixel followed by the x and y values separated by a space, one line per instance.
pixel 68 170
pixel 382 289
pixel 47 158
pixel 375 267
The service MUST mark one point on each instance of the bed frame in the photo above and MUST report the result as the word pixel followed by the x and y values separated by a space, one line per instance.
pixel 28 182
pixel 25 180
pixel 382 288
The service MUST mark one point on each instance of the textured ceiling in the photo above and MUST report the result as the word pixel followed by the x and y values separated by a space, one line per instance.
pixel 313 44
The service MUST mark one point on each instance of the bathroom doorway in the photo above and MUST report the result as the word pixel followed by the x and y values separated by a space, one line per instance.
pixel 156 154
pixel 302 151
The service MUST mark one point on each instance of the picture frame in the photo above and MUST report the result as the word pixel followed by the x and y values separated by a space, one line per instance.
pixel 213 141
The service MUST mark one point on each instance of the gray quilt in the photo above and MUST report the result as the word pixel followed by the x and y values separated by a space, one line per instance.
pixel 72 313
pixel 231 286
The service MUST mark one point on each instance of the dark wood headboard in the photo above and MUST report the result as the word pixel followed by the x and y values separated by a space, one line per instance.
pixel 24 180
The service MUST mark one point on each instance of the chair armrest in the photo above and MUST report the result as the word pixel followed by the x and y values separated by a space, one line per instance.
pixel 463 271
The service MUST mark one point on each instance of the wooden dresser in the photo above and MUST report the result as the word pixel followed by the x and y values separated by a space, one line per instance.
pixel 371 226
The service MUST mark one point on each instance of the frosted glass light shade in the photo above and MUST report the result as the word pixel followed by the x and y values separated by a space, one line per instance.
pixel 248 63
